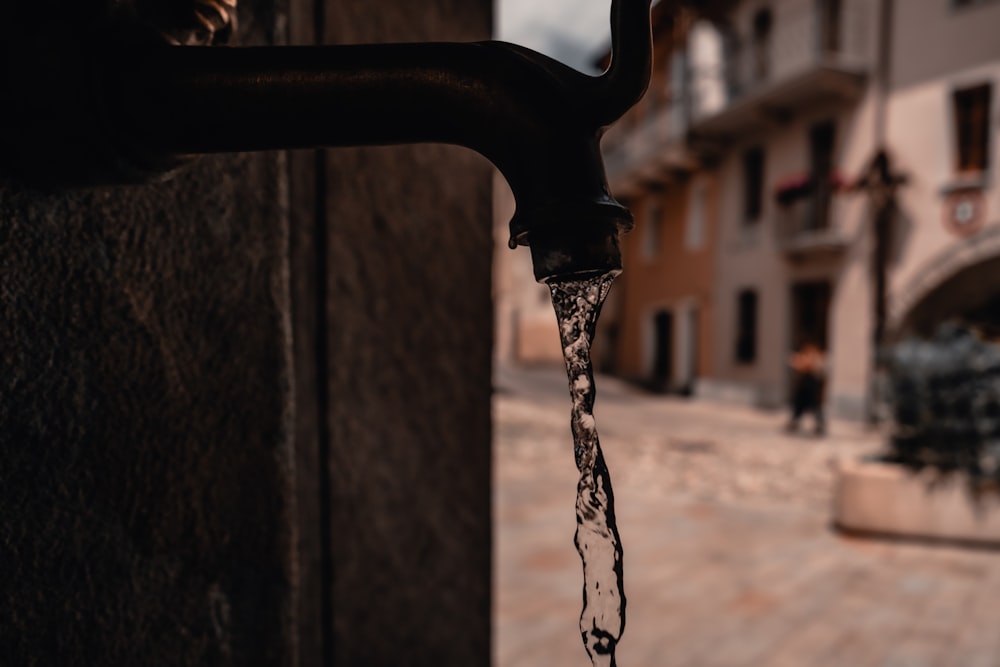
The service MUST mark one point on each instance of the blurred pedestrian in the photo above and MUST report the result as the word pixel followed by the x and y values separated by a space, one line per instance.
pixel 807 386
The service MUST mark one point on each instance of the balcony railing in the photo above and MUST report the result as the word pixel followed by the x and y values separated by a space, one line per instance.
pixel 646 149
pixel 801 39
pixel 810 225
pixel 724 86
pixel 806 55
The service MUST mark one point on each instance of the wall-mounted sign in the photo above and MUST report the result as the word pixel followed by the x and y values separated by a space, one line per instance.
pixel 964 212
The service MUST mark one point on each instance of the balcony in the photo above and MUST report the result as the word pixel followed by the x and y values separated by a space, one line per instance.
pixel 800 56
pixel 808 227
pixel 648 149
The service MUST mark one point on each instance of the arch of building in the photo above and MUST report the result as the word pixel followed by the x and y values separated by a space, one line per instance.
pixel 960 282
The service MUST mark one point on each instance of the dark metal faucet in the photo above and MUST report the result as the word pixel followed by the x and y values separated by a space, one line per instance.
pixel 139 103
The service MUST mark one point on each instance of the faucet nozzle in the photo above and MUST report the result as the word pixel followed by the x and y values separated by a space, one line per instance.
pixel 565 212
pixel 575 242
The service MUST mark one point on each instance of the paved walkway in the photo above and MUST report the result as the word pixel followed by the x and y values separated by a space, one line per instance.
pixel 729 556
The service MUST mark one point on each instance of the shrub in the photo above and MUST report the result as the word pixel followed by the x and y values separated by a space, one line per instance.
pixel 945 402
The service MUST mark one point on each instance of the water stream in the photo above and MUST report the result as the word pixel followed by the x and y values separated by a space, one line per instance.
pixel 577 304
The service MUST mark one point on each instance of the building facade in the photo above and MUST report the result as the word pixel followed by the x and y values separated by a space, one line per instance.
pixel 657 328
pixel 789 118
pixel 772 116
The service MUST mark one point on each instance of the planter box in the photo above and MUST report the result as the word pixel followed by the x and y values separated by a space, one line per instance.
pixel 889 499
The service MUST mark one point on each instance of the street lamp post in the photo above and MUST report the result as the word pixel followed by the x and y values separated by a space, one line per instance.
pixel 880 182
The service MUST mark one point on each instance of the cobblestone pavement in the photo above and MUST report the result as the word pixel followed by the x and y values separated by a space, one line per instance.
pixel 729 555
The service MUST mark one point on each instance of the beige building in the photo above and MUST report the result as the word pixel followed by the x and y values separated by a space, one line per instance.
pixel 789 101
pixel 813 90
pixel 772 110
pixel 785 100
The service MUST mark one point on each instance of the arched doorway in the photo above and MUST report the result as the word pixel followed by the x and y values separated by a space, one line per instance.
pixel 971 296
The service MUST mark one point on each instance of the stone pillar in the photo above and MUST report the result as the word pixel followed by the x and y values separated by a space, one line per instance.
pixel 145 412
pixel 398 472
pixel 212 455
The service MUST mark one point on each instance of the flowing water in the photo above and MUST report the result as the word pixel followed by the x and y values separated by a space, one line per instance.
pixel 577 304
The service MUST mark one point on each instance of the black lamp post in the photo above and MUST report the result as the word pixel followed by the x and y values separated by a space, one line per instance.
pixel 880 182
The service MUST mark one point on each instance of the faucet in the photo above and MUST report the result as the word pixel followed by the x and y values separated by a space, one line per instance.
pixel 130 105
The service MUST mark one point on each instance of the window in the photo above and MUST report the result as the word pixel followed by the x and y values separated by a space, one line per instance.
pixel 762 24
pixel 972 128
pixel 677 93
pixel 708 72
pixel 753 184
pixel 821 138
pixel 746 326
pixel 694 239
pixel 830 25
pixel 732 56
pixel 652 227
pixel 761 44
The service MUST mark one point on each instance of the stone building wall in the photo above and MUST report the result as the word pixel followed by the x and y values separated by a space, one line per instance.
pixel 410 321
pixel 244 413
pixel 145 450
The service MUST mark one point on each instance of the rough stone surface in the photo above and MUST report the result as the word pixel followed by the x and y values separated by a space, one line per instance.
pixel 409 259
pixel 144 416
pixel 410 323
pixel 148 406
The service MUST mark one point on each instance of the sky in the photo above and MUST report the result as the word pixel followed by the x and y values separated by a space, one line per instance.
pixel 572 31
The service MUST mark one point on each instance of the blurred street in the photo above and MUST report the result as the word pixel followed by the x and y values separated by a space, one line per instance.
pixel 728 551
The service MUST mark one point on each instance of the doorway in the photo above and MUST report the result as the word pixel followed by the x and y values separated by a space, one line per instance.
pixel 810 313
pixel 663 355
pixel 689 351
pixel 969 296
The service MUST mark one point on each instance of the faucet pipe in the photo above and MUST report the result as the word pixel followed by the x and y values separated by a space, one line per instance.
pixel 537 120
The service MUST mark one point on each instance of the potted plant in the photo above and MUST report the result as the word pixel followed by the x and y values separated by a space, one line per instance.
pixel 940 477
pixel 945 401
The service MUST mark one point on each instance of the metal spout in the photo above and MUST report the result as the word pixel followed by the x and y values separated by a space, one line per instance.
pixel 537 120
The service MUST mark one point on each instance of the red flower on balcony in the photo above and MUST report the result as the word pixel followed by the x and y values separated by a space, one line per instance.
pixel 802 185
pixel 840 183
pixel 793 187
